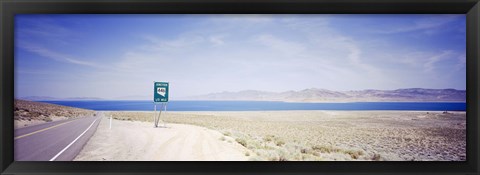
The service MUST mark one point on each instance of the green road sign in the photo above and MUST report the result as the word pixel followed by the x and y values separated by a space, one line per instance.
pixel 160 91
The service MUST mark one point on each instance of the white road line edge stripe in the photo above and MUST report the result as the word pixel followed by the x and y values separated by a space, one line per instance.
pixel 63 150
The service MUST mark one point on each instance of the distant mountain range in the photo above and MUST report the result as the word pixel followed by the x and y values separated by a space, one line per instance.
pixel 324 95
pixel 309 95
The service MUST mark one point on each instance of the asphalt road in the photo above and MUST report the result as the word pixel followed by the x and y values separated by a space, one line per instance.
pixel 54 141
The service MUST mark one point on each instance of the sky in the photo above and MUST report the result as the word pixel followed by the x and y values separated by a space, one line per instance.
pixel 120 56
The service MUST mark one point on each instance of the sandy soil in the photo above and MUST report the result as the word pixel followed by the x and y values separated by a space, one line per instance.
pixel 29 113
pixel 334 135
pixel 31 122
pixel 140 141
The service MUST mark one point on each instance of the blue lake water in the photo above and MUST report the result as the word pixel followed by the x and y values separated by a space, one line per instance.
pixel 261 106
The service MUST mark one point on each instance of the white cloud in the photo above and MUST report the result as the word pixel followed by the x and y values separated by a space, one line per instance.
pixel 43 28
pixel 431 62
pixel 429 26
pixel 462 61
pixel 44 52
pixel 217 40
pixel 258 59
pixel 285 47
pixel 181 42
pixel 271 54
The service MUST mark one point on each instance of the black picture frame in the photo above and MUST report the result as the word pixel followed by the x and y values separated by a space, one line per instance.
pixel 9 8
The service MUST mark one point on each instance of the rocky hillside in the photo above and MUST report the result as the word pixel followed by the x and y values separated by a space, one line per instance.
pixel 324 95
pixel 29 110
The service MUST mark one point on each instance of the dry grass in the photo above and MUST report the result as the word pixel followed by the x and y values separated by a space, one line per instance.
pixel 45 112
pixel 333 135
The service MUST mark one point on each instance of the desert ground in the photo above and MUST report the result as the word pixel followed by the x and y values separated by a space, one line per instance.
pixel 264 135
pixel 29 113
pixel 282 135
pixel 140 141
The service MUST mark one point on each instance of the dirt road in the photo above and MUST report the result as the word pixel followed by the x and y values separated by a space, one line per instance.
pixel 140 141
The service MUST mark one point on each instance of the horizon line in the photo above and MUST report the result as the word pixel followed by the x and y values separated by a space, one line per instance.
pixel 119 98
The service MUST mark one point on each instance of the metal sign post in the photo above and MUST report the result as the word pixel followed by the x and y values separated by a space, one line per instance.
pixel 164 121
pixel 154 115
pixel 160 95
pixel 156 118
